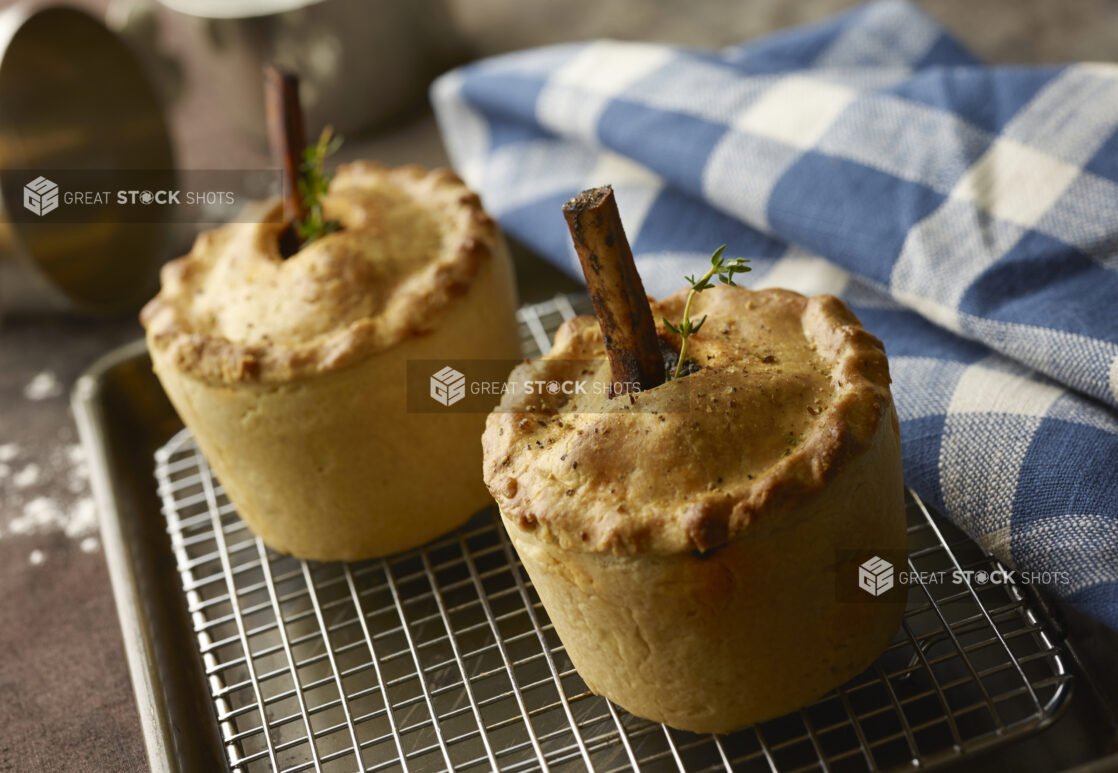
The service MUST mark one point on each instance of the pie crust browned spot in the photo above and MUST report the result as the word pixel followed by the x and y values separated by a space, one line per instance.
pixel 788 389
pixel 293 374
pixel 233 309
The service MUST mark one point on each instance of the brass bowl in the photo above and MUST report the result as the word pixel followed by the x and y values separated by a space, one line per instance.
pixel 73 97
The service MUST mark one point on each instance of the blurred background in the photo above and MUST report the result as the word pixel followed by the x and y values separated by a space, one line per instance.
pixel 410 42
pixel 177 82
pixel 365 67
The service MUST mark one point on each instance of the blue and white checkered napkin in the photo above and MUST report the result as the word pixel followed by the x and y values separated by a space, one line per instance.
pixel 968 214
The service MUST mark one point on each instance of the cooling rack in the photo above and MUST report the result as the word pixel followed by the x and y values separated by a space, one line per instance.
pixel 443 657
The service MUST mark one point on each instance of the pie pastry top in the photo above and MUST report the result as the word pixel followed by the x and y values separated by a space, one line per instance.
pixel 234 310
pixel 788 390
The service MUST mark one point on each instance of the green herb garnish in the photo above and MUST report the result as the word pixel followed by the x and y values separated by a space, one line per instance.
pixel 724 270
pixel 314 181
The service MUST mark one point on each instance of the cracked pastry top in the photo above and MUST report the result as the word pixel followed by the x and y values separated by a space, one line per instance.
pixel 233 310
pixel 788 390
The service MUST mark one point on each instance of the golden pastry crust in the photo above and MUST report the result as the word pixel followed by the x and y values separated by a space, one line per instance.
pixel 711 642
pixel 688 543
pixel 292 374
pixel 233 310
pixel 790 389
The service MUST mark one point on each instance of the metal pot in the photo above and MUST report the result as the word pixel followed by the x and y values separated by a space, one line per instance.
pixel 360 62
pixel 73 97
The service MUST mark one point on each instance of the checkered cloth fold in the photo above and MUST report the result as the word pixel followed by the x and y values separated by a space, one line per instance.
pixel 968 214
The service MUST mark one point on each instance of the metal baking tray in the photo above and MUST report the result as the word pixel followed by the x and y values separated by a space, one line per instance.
pixel 443 658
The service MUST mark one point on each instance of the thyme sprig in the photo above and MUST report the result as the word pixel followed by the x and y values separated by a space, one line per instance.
pixel 314 181
pixel 720 267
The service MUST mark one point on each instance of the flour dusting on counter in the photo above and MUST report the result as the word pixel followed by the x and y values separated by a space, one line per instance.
pixel 77 479
pixel 47 496
pixel 43 515
pixel 43 386
pixel 82 520
pixel 40 515
pixel 27 476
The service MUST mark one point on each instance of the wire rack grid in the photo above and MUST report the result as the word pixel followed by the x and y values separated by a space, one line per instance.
pixel 443 658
